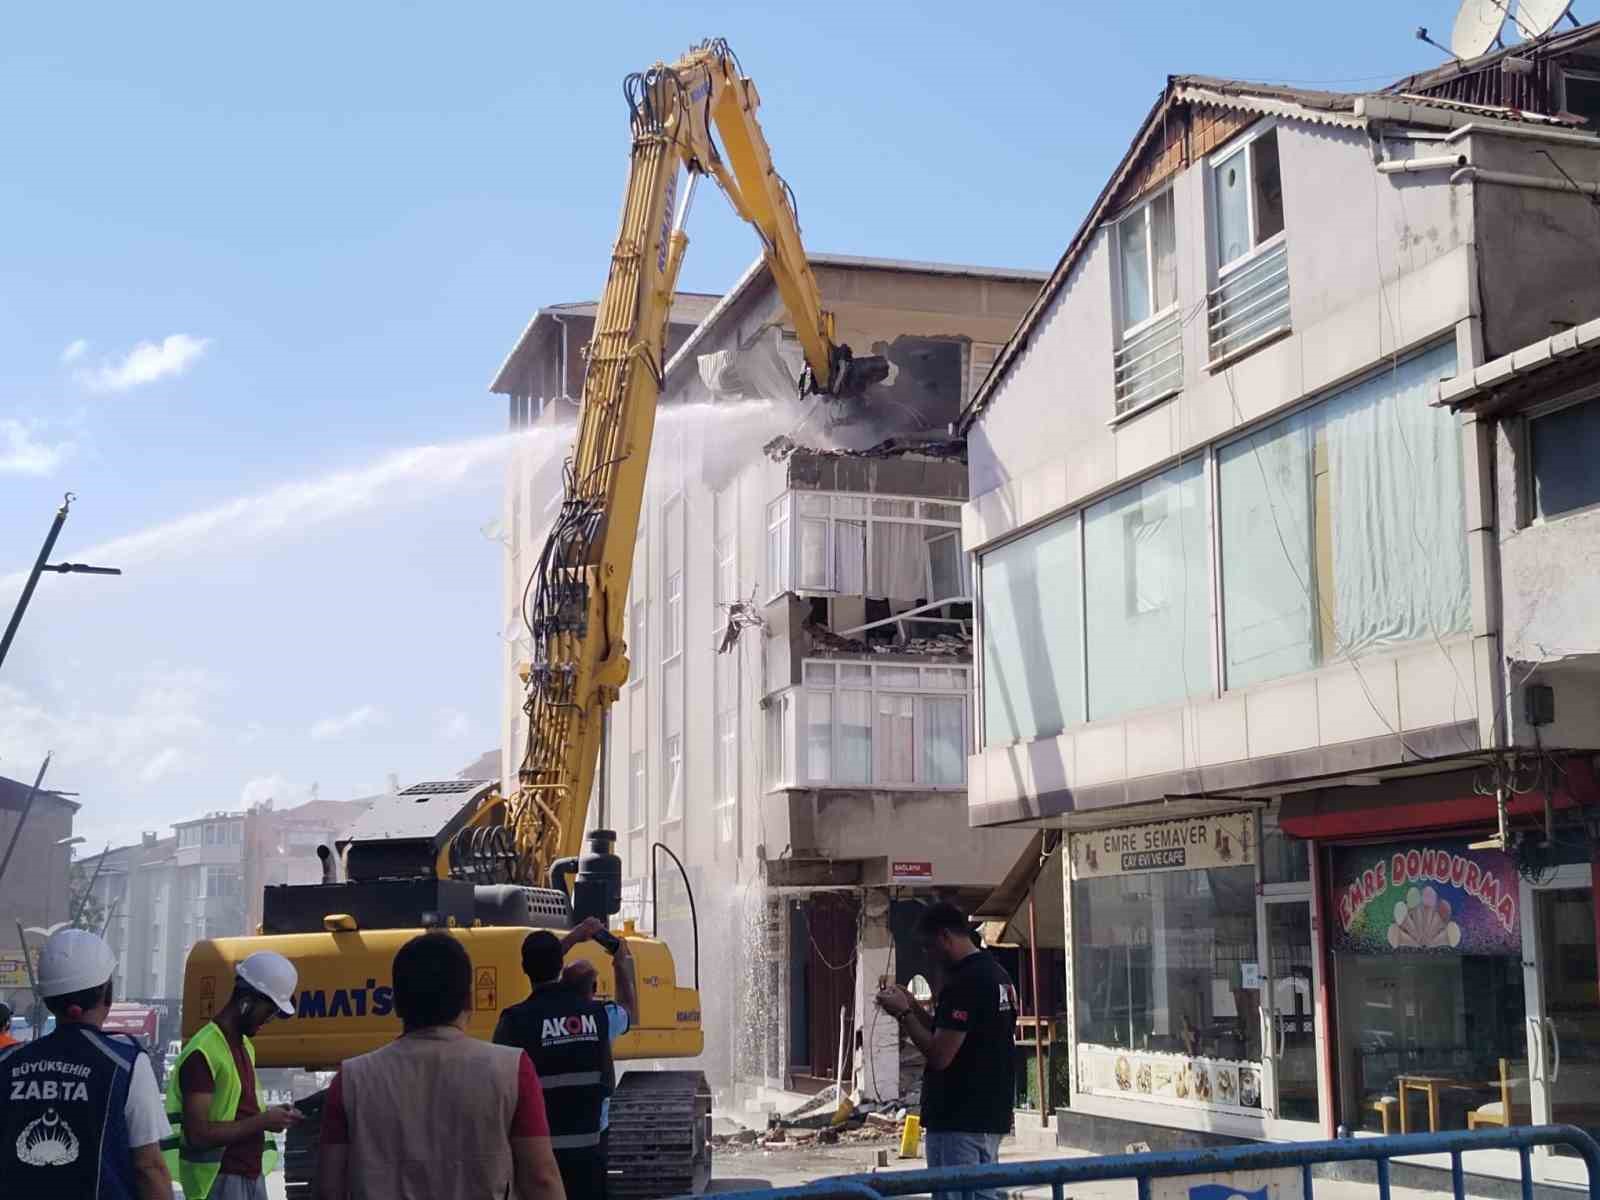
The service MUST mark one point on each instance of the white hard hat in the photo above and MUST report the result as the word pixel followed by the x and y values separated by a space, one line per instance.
pixel 74 960
pixel 271 974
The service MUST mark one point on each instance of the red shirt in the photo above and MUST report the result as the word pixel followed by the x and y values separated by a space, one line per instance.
pixel 527 1120
pixel 241 1158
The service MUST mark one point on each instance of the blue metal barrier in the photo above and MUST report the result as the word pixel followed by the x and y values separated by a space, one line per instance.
pixel 1056 1174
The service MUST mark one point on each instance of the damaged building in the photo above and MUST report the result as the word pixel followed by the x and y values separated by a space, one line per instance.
pixel 797 720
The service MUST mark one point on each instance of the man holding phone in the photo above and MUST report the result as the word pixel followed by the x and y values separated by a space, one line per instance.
pixel 213 1101
pixel 568 1035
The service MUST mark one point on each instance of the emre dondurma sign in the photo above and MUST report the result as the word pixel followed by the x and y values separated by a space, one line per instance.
pixel 1226 840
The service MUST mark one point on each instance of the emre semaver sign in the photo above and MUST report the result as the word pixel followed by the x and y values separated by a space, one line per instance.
pixel 1226 840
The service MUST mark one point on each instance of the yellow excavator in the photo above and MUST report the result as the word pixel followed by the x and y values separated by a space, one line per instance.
pixel 486 867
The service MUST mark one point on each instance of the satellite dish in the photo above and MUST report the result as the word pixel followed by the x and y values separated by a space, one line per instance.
pixel 1477 26
pixel 1538 17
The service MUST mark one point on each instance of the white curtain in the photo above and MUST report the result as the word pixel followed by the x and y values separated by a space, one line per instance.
pixel 944 748
pixel 1032 621
pixel 1399 538
pixel 894 739
pixel 855 737
pixel 898 562
pixel 813 553
pixel 945 565
pixel 819 736
pixel 1147 589
pixel 1266 500
pixel 850 558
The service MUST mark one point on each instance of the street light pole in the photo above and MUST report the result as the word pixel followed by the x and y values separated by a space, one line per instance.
pixel 41 565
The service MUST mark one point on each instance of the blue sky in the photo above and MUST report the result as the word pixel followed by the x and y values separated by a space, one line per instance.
pixel 250 250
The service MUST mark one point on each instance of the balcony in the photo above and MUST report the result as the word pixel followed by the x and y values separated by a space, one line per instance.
pixel 1251 304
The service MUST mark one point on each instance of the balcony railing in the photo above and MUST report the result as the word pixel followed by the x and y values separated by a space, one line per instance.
pixel 1251 304
pixel 1149 364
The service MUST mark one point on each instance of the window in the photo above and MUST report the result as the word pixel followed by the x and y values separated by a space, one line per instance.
pixel 221 883
pixel 1249 198
pixel 1430 971
pixel 672 764
pixel 727 583
pixel 1251 301
pixel 636 797
pixel 727 771
pixel 874 725
pixel 778 549
pixel 1580 96
pixel 1033 634
pixel 236 833
pixel 900 549
pixel 1565 449
pixel 981 358
pixel 212 834
pixel 1160 964
pixel 672 517
pixel 1148 594
pixel 638 614
pixel 1147 256
pixel 672 634
pixel 1342 528
pixel 780 741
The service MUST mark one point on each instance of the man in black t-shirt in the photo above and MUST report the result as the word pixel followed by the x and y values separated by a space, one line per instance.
pixel 967 1089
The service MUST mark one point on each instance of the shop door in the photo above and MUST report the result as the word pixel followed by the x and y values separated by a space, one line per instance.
pixel 1290 986
pixel 830 921
pixel 1564 1013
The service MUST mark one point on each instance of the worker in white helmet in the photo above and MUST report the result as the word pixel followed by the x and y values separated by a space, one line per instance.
pixel 221 1151
pixel 80 1113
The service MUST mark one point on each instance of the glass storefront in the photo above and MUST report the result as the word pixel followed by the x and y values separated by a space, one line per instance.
pixel 1167 978
pixel 1426 940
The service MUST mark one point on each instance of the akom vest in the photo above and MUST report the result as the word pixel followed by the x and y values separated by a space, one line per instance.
pixel 195 1169
pixel 63 1116
pixel 569 1039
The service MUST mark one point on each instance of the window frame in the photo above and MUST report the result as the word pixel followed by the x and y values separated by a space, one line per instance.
pixel 792 519
pixel 1143 208
pixel 1529 483
pixel 638 793
pixel 672 779
pixel 793 705
pixel 1258 246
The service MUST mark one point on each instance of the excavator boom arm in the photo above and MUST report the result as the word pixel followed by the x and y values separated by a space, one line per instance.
pixel 698 116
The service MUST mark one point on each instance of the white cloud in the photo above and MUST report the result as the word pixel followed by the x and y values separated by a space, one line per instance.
pixel 353 721
pixel 165 762
pixel 74 350
pixel 407 476
pixel 146 726
pixel 453 723
pixel 21 453
pixel 145 363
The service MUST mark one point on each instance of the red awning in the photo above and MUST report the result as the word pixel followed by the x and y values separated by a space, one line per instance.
pixel 1410 805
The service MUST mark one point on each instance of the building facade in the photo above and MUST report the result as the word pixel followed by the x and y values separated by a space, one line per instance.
pixel 1262 607
pixel 34 891
pixel 795 725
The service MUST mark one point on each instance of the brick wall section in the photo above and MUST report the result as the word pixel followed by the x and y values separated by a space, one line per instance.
pixel 1191 132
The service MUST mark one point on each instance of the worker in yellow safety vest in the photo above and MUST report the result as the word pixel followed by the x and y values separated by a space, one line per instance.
pixel 221 1150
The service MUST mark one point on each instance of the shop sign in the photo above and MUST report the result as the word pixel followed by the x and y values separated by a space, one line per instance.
pixel 901 871
pixel 1434 895
pixel 1225 840
pixel 14 968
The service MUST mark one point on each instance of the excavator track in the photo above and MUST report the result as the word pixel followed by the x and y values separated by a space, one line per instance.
pixel 660 1143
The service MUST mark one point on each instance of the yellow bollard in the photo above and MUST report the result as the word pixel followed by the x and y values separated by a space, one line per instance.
pixel 910 1135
